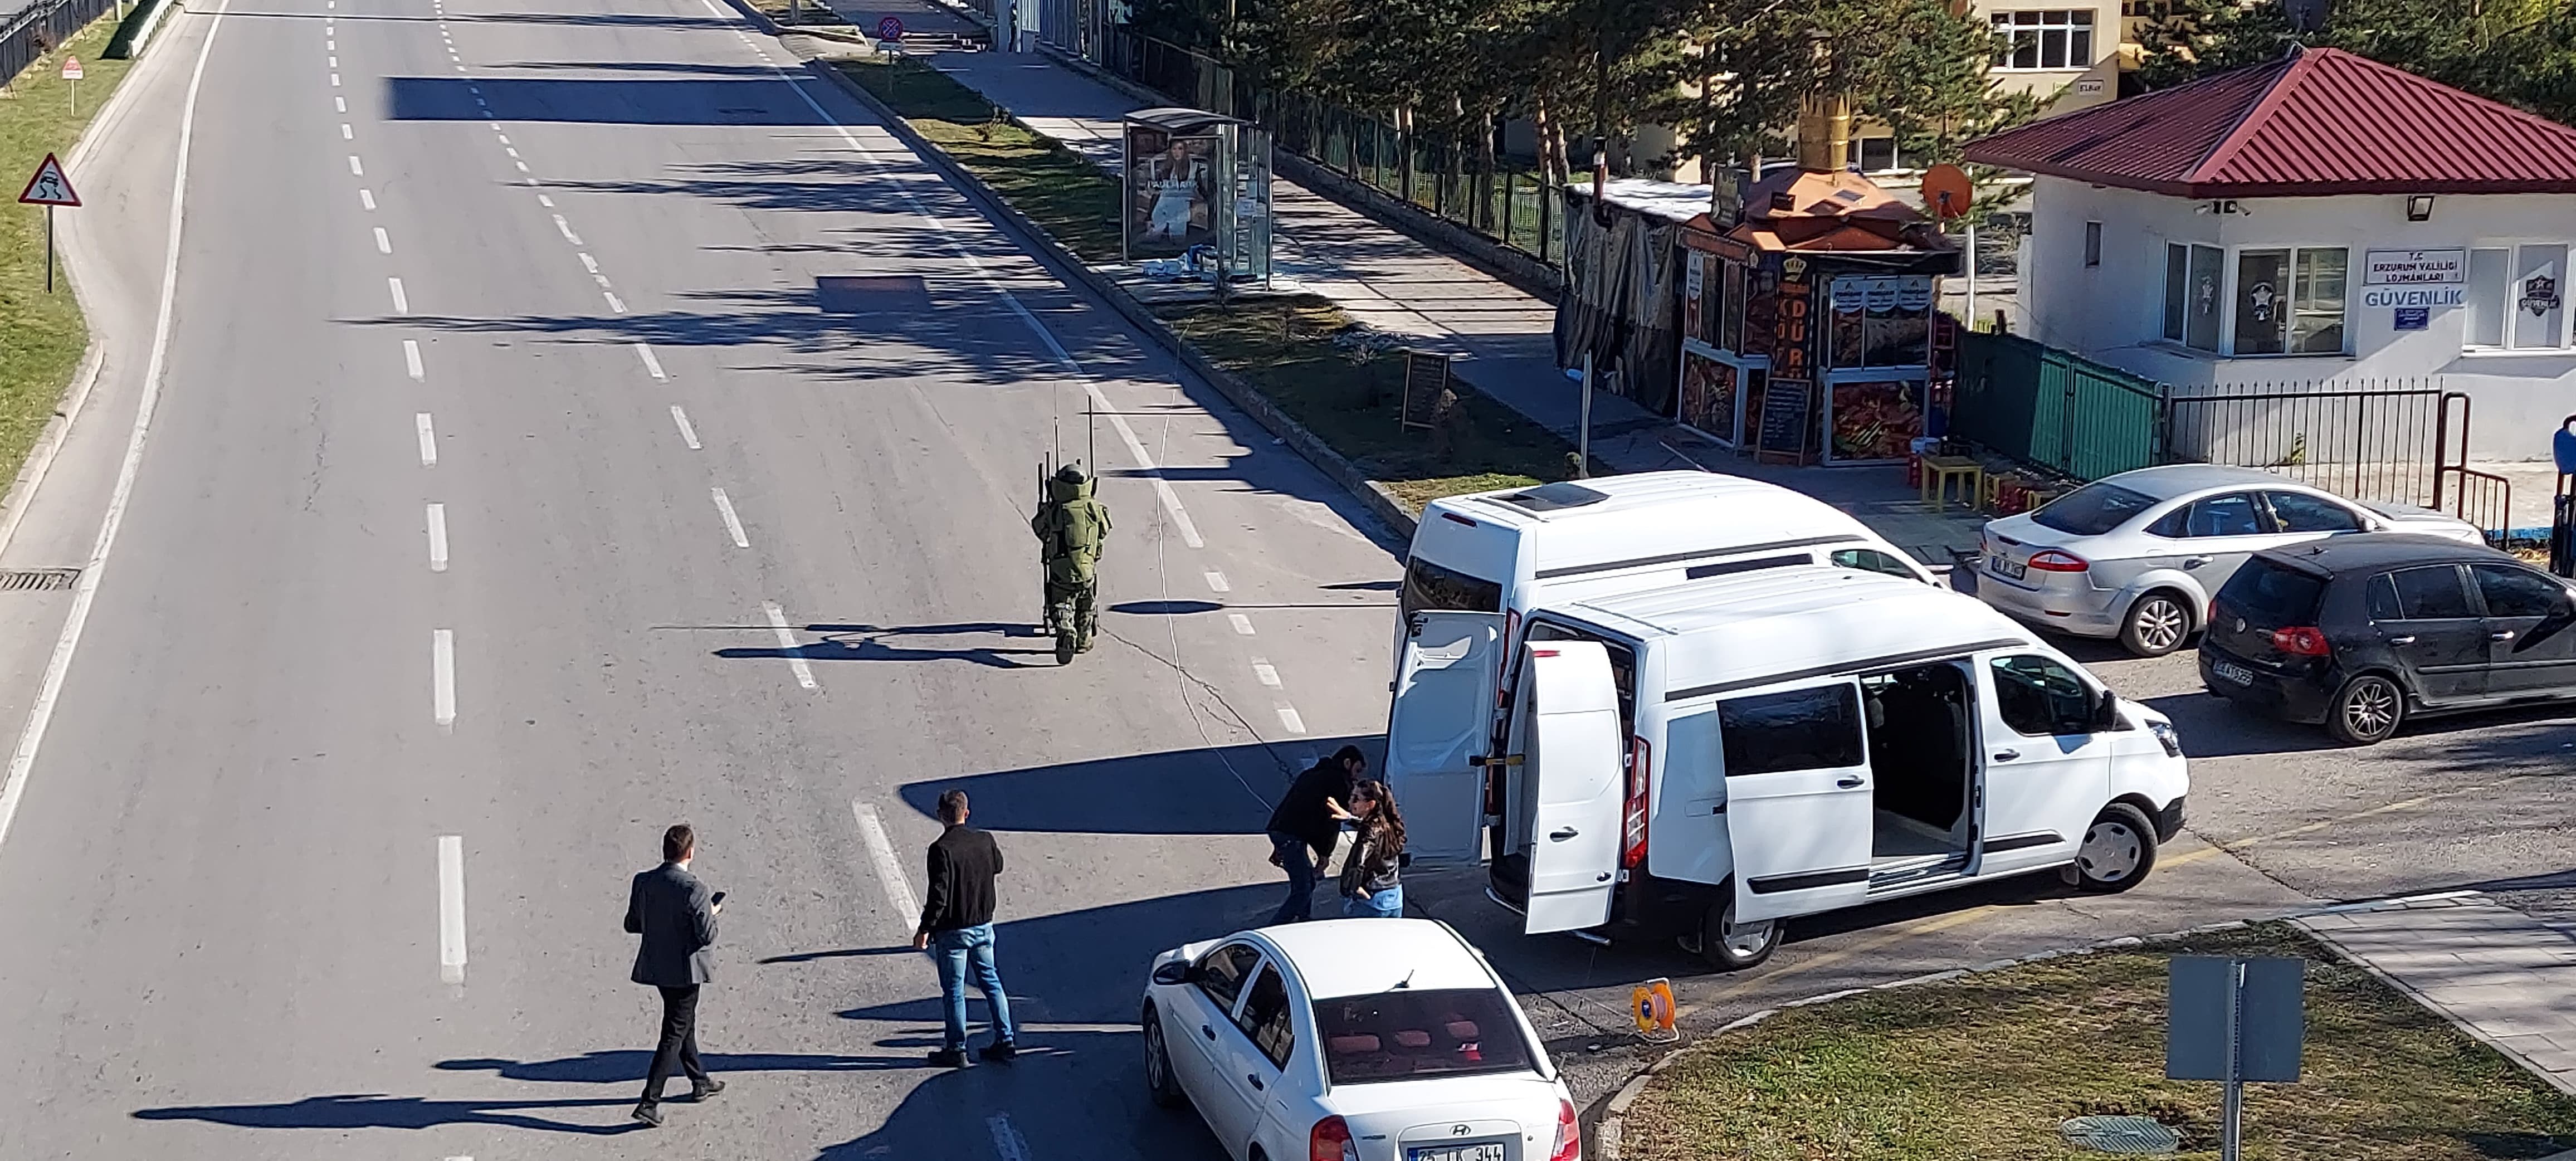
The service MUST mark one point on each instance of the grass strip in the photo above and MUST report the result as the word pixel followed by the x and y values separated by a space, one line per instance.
pixel 1299 351
pixel 42 335
pixel 1985 1067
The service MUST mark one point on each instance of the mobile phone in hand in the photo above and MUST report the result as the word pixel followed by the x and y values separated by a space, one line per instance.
pixel 716 900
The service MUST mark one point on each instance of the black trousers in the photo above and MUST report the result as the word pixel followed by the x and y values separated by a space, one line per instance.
pixel 679 1044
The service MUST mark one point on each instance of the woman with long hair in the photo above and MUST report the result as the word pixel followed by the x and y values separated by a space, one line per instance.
pixel 1370 886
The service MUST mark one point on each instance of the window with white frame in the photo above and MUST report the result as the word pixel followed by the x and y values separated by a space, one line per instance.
pixel 2517 297
pixel 2050 38
pixel 2281 300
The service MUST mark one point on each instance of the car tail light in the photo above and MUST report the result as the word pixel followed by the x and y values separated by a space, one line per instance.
pixel 2051 560
pixel 2301 641
pixel 1632 839
pixel 1331 1141
pixel 1569 1134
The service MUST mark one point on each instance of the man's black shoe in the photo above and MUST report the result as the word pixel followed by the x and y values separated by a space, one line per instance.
pixel 699 1092
pixel 948 1058
pixel 999 1053
pixel 649 1114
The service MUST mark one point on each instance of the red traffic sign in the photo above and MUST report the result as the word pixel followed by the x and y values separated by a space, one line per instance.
pixel 50 187
pixel 71 68
pixel 890 28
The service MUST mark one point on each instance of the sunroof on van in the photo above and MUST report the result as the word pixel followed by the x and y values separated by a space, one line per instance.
pixel 1554 497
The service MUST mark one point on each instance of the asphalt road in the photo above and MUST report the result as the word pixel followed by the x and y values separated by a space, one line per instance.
pixel 394 570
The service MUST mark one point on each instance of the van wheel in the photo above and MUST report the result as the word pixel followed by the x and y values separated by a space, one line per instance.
pixel 2119 849
pixel 2158 624
pixel 2366 710
pixel 1159 1082
pixel 1732 947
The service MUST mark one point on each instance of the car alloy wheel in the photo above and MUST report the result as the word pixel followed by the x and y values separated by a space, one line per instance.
pixel 2157 626
pixel 2368 710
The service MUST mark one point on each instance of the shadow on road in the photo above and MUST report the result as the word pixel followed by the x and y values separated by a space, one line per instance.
pixel 377 1111
pixel 877 643
pixel 1173 792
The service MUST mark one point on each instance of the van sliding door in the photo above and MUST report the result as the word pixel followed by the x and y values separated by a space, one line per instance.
pixel 1798 798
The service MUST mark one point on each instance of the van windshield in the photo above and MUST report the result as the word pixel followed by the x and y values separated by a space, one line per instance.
pixel 1430 587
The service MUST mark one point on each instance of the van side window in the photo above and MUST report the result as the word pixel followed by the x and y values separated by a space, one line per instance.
pixel 1432 587
pixel 2040 698
pixel 1872 560
pixel 1623 665
pixel 1802 729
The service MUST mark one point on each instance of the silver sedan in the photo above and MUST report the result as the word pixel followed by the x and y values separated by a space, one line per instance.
pixel 2137 555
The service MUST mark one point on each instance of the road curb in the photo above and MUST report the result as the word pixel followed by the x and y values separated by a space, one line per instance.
pixel 1246 398
pixel 1607 1133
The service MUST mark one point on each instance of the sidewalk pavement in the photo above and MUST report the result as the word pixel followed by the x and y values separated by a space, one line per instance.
pixel 1504 337
pixel 2503 977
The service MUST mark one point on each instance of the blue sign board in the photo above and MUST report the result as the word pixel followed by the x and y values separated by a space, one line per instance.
pixel 2414 318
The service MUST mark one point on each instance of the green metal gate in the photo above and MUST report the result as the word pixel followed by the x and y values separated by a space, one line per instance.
pixel 2054 409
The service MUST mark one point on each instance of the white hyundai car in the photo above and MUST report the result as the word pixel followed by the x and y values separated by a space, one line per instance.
pixel 1353 1040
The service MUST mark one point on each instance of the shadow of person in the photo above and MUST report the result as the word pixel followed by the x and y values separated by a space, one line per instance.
pixel 871 643
pixel 378 1111
pixel 621 1065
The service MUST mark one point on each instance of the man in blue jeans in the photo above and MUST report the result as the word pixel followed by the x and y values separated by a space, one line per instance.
pixel 957 928
pixel 1304 824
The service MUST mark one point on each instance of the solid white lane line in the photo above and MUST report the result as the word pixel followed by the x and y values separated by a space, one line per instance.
pixel 898 892
pixel 355 169
pixel 49 690
pixel 428 440
pixel 589 263
pixel 402 305
pixel 384 242
pixel 566 227
pixel 1006 1139
pixel 614 303
pixel 1263 670
pixel 411 358
pixel 451 908
pixel 688 434
pixel 1216 581
pixel 796 662
pixel 367 198
pixel 438 538
pixel 1242 624
pixel 732 523
pixel 339 104
pixel 1289 721
pixel 347 134
pixel 650 363
pixel 442 676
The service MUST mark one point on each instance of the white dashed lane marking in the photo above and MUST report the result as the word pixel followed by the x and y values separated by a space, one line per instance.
pixel 411 359
pixel 787 645
pixel 451 908
pixel 1216 582
pixel 688 434
pixel 1289 721
pixel 651 364
pixel 442 676
pixel 1267 675
pixel 1242 624
pixel 402 305
pixel 438 538
pixel 384 241
pixel 732 523
pixel 428 440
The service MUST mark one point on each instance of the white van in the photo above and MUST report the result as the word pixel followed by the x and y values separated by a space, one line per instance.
pixel 1705 760
pixel 1507 552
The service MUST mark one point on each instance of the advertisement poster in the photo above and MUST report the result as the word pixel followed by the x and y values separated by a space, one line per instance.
pixel 1171 188
pixel 1875 419
pixel 1694 292
pixel 1709 390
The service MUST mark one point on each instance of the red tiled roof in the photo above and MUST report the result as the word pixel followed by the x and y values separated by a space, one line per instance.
pixel 2320 121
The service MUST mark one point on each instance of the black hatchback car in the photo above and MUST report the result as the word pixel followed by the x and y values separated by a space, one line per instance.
pixel 2361 632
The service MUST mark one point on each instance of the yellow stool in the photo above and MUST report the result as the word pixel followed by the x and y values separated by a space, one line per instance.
pixel 1938 471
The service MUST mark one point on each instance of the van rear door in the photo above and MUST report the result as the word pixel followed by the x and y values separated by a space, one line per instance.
pixel 1798 798
pixel 1576 747
pixel 1442 715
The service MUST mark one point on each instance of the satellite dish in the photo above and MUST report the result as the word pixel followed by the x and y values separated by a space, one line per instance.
pixel 1947 191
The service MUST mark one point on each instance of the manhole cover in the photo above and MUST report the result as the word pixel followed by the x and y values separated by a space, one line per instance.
pixel 29 580
pixel 2130 1135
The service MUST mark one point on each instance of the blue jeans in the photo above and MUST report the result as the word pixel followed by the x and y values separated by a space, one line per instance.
pixel 1386 904
pixel 956 952
pixel 1299 861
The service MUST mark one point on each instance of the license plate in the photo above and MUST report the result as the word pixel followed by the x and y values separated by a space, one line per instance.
pixel 1999 566
pixel 2232 672
pixel 1480 1151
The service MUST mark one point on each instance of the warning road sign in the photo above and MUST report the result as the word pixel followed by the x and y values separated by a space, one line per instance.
pixel 71 68
pixel 49 187
pixel 890 28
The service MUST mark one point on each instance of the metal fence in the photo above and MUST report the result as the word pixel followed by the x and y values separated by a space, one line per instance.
pixel 1507 199
pixel 32 32
pixel 2402 441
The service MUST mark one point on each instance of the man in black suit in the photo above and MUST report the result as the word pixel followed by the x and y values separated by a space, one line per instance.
pixel 671 909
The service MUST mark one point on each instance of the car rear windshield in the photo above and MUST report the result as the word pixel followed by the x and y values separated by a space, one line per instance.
pixel 1429 586
pixel 2093 509
pixel 1401 1035
pixel 2273 595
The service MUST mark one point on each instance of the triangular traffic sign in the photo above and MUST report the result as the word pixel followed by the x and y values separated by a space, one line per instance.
pixel 50 186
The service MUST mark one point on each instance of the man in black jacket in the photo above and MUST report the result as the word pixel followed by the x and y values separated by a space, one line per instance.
pixel 1304 823
pixel 671 909
pixel 958 919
